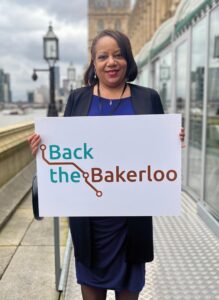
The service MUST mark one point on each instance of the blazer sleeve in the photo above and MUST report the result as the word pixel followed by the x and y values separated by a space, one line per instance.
pixel 158 107
pixel 69 105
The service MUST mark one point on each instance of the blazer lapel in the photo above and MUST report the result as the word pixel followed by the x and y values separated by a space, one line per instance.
pixel 143 101
pixel 138 100
pixel 84 103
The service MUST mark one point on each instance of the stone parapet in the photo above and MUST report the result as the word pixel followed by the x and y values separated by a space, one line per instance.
pixel 15 153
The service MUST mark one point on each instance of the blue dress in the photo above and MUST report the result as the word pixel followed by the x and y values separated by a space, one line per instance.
pixel 110 270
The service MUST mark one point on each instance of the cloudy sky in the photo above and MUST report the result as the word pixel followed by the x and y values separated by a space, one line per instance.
pixel 23 24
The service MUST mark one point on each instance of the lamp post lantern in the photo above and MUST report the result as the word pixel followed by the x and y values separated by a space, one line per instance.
pixel 51 55
pixel 50 47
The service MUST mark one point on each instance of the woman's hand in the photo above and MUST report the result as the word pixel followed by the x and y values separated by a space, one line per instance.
pixel 182 137
pixel 34 141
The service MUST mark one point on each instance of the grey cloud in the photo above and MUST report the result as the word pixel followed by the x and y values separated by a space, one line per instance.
pixel 70 11
pixel 25 38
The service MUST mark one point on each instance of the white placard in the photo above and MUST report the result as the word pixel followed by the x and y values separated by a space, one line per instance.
pixel 109 166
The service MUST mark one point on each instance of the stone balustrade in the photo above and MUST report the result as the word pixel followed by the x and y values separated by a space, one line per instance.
pixel 15 153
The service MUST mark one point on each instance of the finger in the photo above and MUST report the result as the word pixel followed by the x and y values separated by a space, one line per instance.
pixel 30 138
pixel 34 151
pixel 35 143
pixel 182 135
pixel 33 137
pixel 35 148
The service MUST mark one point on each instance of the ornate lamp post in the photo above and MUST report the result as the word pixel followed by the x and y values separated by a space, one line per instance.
pixel 51 55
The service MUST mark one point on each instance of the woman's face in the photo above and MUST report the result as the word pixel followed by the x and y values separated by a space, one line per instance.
pixel 109 63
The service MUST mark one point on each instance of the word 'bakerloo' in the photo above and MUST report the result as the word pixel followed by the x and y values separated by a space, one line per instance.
pixel 99 175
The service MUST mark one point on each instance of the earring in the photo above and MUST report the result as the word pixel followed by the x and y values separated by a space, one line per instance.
pixel 95 75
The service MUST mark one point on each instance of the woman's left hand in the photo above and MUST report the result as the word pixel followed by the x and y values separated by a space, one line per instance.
pixel 182 137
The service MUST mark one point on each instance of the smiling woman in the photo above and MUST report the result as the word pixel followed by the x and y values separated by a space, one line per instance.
pixel 110 260
pixel 111 252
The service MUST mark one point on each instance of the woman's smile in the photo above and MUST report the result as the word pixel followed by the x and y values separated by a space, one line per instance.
pixel 112 73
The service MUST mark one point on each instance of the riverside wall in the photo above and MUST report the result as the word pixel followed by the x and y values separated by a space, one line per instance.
pixel 15 153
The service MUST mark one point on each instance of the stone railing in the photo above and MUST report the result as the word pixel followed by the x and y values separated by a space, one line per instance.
pixel 15 153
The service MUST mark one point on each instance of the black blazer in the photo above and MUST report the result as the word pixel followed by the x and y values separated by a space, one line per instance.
pixel 139 241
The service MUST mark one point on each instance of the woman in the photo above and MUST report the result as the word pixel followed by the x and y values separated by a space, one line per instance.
pixel 111 252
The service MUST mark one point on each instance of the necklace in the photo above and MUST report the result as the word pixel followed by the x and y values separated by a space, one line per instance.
pixel 111 101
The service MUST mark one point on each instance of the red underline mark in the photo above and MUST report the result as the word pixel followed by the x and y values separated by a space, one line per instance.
pixel 84 174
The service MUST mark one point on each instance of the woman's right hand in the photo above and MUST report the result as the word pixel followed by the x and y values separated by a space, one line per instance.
pixel 34 141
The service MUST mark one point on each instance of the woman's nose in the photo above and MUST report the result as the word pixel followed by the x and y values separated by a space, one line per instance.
pixel 111 60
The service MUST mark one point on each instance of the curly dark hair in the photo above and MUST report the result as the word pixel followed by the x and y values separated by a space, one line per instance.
pixel 126 50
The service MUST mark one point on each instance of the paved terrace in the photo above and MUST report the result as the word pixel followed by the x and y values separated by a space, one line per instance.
pixel 27 268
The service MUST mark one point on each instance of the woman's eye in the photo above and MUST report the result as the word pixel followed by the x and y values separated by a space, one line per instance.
pixel 119 55
pixel 102 57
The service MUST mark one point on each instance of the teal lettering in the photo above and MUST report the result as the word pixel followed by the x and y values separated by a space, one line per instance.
pixel 52 173
pixel 75 153
pixel 67 153
pixel 62 174
pixel 54 152
pixel 75 176
pixel 87 151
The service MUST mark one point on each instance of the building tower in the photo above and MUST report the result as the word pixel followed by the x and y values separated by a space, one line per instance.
pixel 107 14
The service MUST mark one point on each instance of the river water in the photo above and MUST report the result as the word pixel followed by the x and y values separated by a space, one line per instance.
pixel 8 120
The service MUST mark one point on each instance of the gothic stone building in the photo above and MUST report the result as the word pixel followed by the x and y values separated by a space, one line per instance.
pixel 107 14
pixel 139 23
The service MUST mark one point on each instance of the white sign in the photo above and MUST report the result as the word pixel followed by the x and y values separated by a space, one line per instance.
pixel 109 166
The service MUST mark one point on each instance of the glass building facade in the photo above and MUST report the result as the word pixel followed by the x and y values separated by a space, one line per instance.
pixel 211 183
pixel 182 64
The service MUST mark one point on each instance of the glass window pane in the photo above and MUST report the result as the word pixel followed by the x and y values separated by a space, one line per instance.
pixel 144 77
pixel 181 88
pixel 212 147
pixel 196 105
pixel 165 81
pixel 181 69
pixel 156 74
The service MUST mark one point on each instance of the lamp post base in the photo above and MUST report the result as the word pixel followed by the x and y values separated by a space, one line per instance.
pixel 52 111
